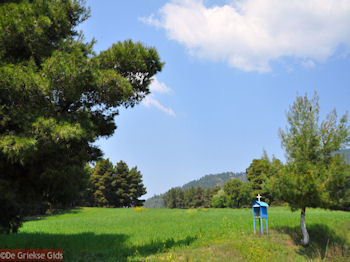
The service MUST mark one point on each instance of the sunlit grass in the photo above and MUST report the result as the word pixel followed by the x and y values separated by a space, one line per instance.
pixel 102 234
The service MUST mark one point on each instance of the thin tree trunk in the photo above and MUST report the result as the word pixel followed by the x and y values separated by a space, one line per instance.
pixel 305 240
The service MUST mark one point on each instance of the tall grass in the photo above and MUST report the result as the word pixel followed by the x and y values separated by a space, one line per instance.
pixel 102 234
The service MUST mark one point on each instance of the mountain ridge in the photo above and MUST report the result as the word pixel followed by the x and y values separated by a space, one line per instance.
pixel 207 181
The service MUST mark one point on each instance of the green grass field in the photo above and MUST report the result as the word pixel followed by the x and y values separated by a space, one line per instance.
pixel 103 234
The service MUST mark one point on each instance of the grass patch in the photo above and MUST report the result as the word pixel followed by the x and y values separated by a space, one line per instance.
pixel 103 234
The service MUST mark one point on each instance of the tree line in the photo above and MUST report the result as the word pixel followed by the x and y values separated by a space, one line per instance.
pixel 192 197
pixel 262 175
pixel 234 193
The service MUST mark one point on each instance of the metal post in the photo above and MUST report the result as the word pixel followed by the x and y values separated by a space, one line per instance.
pixel 261 226
pixel 253 221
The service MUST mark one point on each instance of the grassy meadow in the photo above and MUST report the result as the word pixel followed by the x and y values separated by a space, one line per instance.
pixel 106 234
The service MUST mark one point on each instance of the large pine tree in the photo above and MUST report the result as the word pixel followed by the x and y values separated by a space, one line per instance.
pixel 56 98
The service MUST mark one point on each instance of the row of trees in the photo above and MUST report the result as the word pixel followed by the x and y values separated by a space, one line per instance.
pixel 189 198
pixel 262 175
pixel 235 194
pixel 117 186
pixel 57 97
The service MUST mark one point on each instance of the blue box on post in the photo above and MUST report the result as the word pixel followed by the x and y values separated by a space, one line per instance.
pixel 260 212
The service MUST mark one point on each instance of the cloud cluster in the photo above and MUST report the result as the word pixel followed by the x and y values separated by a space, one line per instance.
pixel 150 100
pixel 249 34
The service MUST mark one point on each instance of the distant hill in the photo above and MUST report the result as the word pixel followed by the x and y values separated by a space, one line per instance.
pixel 154 202
pixel 207 181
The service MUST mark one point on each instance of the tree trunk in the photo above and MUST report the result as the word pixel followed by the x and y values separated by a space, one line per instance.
pixel 305 240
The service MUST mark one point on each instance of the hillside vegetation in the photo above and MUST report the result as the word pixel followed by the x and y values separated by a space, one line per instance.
pixel 207 181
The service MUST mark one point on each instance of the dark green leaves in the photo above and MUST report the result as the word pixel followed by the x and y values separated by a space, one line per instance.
pixel 57 97
pixel 36 28
pixel 136 63
pixel 115 186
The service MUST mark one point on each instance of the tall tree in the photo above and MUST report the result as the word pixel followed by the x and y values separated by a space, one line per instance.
pixel 101 180
pixel 170 198
pixel 189 197
pixel 116 186
pixel 232 190
pixel 56 98
pixel 257 173
pixel 129 185
pixel 246 195
pixel 208 195
pixel 180 198
pixel 312 172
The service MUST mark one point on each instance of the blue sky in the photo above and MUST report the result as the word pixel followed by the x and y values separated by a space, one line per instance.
pixel 232 68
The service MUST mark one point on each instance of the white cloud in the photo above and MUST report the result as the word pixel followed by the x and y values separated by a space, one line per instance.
pixel 150 20
pixel 159 87
pixel 249 34
pixel 308 64
pixel 150 100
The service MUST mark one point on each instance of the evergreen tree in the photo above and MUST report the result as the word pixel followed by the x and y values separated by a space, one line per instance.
pixel 259 171
pixel 57 97
pixel 136 189
pixel 208 195
pixel 170 198
pixel 198 200
pixel 189 196
pixel 116 187
pixel 232 191
pixel 339 184
pixel 247 195
pixel 180 198
pixel 313 173
pixel 120 183
pixel 101 182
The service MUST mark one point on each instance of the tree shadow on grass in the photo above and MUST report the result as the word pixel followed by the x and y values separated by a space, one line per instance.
pixel 324 242
pixel 92 247
pixel 54 212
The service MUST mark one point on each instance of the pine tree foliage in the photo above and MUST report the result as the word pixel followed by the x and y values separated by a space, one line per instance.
pixel 258 173
pixel 116 186
pixel 192 197
pixel 232 193
pixel 57 97
pixel 314 176
pixel 311 164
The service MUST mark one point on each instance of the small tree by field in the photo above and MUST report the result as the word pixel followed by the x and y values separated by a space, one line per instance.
pixel 313 174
